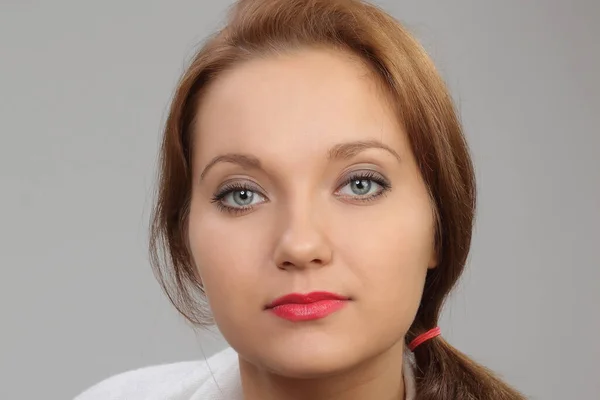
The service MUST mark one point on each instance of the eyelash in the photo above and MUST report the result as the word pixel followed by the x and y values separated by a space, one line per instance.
pixel 218 197
pixel 368 176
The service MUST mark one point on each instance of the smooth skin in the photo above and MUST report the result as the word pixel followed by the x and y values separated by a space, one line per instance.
pixel 304 180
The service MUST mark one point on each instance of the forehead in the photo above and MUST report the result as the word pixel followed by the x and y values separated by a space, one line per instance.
pixel 299 102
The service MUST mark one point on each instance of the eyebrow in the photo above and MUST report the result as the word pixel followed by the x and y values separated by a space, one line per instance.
pixel 348 150
pixel 244 160
pixel 342 151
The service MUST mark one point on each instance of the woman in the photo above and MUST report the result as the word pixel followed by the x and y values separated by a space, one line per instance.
pixel 316 200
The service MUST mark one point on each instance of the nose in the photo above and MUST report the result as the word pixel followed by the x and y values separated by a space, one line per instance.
pixel 302 243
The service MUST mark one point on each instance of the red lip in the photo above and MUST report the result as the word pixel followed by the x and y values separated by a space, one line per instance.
pixel 305 307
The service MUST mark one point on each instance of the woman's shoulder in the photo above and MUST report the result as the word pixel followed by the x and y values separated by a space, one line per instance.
pixel 182 380
pixel 142 382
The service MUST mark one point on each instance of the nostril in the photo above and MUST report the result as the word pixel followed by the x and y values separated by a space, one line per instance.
pixel 289 264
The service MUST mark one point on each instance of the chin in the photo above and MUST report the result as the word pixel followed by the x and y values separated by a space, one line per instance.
pixel 308 355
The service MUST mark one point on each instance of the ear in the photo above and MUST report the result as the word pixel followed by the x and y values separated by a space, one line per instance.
pixel 433 262
pixel 434 258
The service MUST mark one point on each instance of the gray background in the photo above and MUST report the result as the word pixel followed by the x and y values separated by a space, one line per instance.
pixel 84 88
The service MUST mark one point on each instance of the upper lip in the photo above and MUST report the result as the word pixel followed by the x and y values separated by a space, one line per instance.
pixel 299 298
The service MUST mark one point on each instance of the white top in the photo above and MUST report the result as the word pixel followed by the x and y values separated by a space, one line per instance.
pixel 217 378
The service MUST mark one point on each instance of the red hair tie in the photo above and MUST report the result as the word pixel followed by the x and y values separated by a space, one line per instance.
pixel 430 334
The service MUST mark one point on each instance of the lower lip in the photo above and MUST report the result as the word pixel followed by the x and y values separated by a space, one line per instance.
pixel 308 312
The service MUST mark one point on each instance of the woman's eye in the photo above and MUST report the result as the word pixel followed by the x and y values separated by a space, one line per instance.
pixel 363 187
pixel 241 198
pixel 359 187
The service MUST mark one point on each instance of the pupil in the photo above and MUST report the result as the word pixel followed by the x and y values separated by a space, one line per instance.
pixel 362 186
pixel 243 197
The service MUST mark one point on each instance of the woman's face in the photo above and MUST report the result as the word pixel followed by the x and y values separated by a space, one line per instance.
pixel 304 181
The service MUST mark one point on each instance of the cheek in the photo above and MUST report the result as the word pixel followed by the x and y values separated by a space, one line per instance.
pixel 228 256
pixel 389 254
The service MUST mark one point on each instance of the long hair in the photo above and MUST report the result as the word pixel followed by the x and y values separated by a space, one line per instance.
pixel 260 27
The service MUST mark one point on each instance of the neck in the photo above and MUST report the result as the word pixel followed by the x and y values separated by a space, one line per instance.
pixel 380 377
